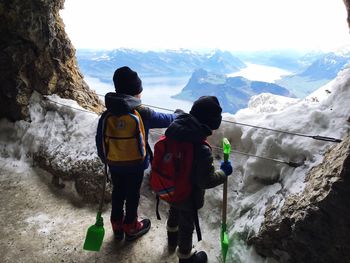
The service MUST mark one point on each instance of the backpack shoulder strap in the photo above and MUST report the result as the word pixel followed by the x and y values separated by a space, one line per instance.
pixel 196 223
pixel 144 111
pixel 195 210
pixel 104 123
pixel 205 142
pixel 148 147
pixel 161 139
pixel 104 126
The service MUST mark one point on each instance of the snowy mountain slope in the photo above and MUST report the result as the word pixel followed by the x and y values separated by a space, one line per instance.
pixel 320 72
pixel 290 60
pixel 65 137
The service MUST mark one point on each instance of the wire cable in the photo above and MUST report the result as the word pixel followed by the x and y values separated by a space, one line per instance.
pixel 59 103
pixel 292 164
pixel 315 137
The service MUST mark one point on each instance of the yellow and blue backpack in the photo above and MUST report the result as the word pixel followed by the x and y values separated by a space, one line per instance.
pixel 124 139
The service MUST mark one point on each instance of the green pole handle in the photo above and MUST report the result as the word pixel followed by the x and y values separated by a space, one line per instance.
pixel 224 236
pixel 227 149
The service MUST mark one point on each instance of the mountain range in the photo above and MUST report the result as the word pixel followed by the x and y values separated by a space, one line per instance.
pixel 322 70
pixel 309 70
pixel 232 92
pixel 290 60
pixel 101 64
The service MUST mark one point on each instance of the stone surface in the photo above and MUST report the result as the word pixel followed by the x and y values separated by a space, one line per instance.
pixel 347 5
pixel 313 226
pixel 36 54
pixel 86 175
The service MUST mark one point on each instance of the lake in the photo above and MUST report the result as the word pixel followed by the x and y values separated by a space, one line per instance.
pixel 158 90
pixel 261 73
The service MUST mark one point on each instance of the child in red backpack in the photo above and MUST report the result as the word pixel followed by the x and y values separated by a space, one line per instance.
pixel 195 127
pixel 127 180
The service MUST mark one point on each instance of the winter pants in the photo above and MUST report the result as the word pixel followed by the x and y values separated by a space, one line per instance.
pixel 185 221
pixel 126 191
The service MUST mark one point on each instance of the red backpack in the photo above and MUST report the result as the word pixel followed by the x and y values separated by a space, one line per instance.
pixel 171 169
pixel 171 172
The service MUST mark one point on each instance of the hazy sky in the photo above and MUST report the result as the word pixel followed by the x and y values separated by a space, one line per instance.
pixel 203 24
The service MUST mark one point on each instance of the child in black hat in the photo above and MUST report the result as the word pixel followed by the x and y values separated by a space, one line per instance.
pixel 127 180
pixel 195 127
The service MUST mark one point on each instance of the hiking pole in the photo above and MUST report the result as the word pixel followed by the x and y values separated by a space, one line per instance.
pixel 96 232
pixel 224 236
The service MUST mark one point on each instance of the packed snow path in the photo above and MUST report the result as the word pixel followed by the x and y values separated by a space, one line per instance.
pixel 43 223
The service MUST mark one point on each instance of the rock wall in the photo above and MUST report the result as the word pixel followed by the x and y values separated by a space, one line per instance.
pixel 36 54
pixel 313 226
pixel 347 5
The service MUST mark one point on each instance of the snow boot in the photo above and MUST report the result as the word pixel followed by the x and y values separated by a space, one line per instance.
pixel 193 257
pixel 117 226
pixel 172 233
pixel 136 229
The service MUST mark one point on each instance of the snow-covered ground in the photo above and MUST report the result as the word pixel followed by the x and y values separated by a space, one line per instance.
pixel 255 181
pixel 44 224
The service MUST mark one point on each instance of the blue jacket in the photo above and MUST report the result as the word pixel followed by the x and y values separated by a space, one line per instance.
pixel 121 104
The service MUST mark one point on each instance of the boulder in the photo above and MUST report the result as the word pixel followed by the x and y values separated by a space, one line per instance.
pixel 314 225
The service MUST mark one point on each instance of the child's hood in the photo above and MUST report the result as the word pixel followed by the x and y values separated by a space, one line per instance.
pixel 121 103
pixel 187 128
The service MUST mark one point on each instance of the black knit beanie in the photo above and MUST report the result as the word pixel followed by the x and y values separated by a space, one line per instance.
pixel 127 81
pixel 207 111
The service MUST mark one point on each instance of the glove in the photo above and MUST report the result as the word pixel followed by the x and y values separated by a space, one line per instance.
pixel 179 111
pixel 226 167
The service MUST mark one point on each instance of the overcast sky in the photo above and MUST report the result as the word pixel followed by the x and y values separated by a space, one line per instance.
pixel 207 24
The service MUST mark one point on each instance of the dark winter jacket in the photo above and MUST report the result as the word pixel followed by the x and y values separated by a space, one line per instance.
pixel 122 104
pixel 204 176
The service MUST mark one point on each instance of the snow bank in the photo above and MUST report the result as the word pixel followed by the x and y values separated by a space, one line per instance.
pixel 52 126
pixel 258 182
pixel 267 102
pixel 61 138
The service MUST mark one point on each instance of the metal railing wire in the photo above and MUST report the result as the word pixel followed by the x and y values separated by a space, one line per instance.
pixel 289 163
